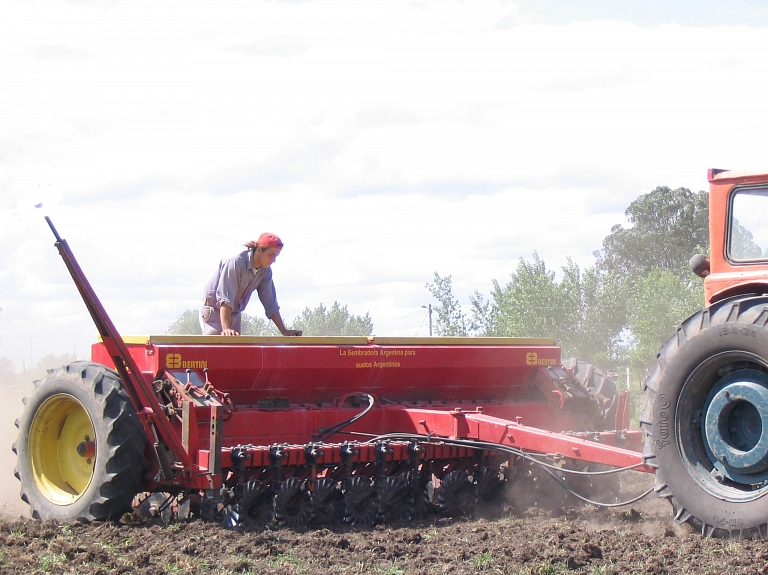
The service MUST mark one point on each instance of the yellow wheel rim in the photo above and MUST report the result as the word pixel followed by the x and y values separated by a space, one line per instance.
pixel 62 449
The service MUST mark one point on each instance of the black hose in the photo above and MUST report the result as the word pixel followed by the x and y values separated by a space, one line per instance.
pixel 326 433
pixel 529 457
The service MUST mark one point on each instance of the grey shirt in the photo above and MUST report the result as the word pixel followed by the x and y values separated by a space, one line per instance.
pixel 235 281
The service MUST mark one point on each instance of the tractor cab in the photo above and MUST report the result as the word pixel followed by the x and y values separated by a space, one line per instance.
pixel 738 232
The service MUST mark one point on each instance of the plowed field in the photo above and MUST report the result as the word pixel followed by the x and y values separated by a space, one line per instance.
pixel 641 538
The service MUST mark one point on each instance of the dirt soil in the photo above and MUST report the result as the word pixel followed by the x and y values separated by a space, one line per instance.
pixel 641 538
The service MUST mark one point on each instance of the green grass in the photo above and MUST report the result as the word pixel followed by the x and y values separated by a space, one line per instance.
pixel 430 534
pixel 546 568
pixel 47 562
pixel 392 570
pixel 290 558
pixel 483 561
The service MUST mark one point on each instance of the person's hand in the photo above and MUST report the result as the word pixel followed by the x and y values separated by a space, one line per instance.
pixel 293 332
pixel 229 332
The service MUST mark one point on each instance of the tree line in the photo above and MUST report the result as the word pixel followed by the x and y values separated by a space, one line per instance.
pixel 336 320
pixel 615 313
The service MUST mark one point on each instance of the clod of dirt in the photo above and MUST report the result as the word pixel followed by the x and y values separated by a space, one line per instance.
pixel 632 515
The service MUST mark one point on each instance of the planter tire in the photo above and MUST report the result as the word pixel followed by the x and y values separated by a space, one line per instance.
pixel 80 448
pixel 596 383
pixel 706 420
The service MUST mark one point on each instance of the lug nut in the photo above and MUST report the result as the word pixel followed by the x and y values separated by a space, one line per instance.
pixel 86 449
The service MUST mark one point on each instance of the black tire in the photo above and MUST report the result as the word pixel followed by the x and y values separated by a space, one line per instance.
pixel 598 385
pixel 327 502
pixel 66 474
pixel 422 487
pixel 457 494
pixel 293 504
pixel 361 501
pixel 489 481
pixel 396 497
pixel 253 506
pixel 692 421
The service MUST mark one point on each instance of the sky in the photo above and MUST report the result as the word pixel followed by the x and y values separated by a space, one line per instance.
pixel 383 141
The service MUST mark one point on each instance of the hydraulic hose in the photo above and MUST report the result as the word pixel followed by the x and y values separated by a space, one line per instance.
pixel 326 433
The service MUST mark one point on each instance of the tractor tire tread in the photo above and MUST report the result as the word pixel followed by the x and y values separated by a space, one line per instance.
pixel 738 310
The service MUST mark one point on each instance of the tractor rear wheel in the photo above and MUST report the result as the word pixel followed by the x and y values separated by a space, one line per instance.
pixel 706 419
pixel 80 447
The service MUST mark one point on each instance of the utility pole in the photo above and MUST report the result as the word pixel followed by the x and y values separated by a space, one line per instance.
pixel 429 307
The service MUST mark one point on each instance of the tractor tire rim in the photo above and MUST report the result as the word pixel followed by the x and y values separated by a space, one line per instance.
pixel 62 449
pixel 736 427
pixel 722 426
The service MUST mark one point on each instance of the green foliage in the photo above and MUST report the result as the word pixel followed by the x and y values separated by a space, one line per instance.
pixel 618 312
pixel 661 302
pixel 187 323
pixel 584 312
pixel 483 561
pixel 668 227
pixel 743 244
pixel 334 321
pixel 251 325
pixel 529 305
pixel 318 321
pixel 449 320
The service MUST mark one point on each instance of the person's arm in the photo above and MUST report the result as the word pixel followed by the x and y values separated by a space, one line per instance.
pixel 225 291
pixel 225 313
pixel 268 298
pixel 279 323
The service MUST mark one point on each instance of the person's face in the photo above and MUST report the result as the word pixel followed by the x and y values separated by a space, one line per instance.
pixel 265 259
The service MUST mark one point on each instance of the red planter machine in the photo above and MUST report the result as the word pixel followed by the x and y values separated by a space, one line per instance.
pixel 301 430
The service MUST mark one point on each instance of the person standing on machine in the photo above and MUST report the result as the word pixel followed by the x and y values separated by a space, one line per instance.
pixel 228 291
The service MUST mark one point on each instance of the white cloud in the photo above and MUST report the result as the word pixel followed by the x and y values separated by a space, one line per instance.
pixel 383 141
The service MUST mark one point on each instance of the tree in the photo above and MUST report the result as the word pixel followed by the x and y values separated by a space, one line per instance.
pixel 251 325
pixel 743 244
pixel 334 321
pixel 450 320
pixel 668 227
pixel 583 312
pixel 186 324
pixel 529 305
pixel 661 301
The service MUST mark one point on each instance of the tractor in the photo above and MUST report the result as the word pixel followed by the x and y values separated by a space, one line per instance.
pixel 706 412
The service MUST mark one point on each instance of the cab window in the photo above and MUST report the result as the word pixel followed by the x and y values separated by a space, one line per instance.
pixel 748 226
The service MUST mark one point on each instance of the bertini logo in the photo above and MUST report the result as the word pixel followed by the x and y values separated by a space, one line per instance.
pixel 175 361
pixel 532 358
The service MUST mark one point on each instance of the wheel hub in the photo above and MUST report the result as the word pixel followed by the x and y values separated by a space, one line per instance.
pixel 736 428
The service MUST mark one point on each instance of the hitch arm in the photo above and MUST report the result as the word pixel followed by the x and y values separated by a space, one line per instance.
pixel 143 399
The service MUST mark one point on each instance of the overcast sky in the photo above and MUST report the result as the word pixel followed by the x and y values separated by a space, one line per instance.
pixel 383 141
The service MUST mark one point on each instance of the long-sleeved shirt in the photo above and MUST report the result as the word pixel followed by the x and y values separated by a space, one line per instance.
pixel 235 280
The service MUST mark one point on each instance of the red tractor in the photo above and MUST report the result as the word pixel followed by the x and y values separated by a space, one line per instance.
pixel 706 415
